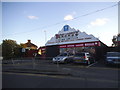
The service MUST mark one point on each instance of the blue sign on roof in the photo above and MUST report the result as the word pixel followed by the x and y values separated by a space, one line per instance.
pixel 66 27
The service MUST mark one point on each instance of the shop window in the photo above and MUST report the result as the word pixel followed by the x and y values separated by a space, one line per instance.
pixel 79 49
pixel 63 50
pixel 90 49
pixel 71 50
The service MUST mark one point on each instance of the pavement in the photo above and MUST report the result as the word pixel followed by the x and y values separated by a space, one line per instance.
pixel 48 68
pixel 94 74
pixel 41 67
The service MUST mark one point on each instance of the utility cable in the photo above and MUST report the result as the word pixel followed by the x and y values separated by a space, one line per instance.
pixel 99 10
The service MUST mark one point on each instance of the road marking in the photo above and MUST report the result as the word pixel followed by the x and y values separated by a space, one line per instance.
pixel 64 77
pixel 29 74
pixel 18 64
pixel 91 64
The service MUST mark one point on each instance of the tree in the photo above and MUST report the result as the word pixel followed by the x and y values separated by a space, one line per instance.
pixel 115 40
pixel 10 49
pixel 0 51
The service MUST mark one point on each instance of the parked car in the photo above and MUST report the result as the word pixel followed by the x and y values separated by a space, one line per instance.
pixel 112 58
pixel 63 58
pixel 83 57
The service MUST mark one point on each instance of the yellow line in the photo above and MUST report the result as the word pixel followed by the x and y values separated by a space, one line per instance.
pixel 29 74
pixel 64 77
pixel 17 64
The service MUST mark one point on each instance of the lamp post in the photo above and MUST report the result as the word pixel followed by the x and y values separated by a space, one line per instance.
pixel 45 36
pixel 57 42
pixel 12 54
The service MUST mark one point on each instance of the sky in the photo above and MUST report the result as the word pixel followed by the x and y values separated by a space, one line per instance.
pixel 39 21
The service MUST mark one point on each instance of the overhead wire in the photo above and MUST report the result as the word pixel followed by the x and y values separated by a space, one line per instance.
pixel 48 26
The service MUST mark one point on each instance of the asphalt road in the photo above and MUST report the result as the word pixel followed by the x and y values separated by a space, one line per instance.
pixel 96 75
pixel 25 80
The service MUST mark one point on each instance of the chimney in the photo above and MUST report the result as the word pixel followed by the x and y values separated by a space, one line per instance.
pixel 29 41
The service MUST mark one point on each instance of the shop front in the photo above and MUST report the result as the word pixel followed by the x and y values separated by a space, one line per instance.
pixel 73 41
pixel 79 47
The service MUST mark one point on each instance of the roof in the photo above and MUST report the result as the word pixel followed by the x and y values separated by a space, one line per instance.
pixel 29 44
pixel 69 35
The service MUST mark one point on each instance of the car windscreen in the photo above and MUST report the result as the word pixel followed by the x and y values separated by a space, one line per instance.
pixel 113 54
pixel 79 54
pixel 63 54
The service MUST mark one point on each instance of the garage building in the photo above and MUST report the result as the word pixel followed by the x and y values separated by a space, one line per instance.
pixel 73 41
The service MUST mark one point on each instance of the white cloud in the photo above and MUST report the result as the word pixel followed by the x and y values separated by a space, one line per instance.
pixel 68 17
pixel 32 17
pixel 106 37
pixel 99 22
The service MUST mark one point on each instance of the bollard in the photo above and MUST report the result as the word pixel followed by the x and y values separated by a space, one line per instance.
pixel 33 61
pixel 57 65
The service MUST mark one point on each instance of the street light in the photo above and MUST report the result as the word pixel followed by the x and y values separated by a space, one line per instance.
pixel 45 36
pixel 12 54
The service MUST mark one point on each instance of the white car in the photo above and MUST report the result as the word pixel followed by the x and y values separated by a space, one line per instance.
pixel 63 58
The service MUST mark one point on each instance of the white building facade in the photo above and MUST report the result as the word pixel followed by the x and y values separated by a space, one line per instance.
pixel 69 35
pixel 70 40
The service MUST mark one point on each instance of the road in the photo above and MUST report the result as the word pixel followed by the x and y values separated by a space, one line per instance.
pixel 96 75
pixel 25 80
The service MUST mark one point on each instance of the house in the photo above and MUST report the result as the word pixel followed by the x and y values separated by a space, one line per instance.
pixel 29 45
pixel 29 49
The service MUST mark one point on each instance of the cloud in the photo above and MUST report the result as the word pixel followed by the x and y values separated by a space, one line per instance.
pixel 99 22
pixel 32 17
pixel 68 17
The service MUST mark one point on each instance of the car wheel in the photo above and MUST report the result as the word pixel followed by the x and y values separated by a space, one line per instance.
pixel 107 64
pixel 65 61
pixel 93 61
pixel 88 62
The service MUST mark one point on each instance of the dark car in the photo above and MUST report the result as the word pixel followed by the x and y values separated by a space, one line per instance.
pixel 83 57
pixel 112 58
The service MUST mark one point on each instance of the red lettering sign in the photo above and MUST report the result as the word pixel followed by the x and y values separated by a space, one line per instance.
pixel 62 46
pixel 89 44
pixel 68 46
pixel 79 45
